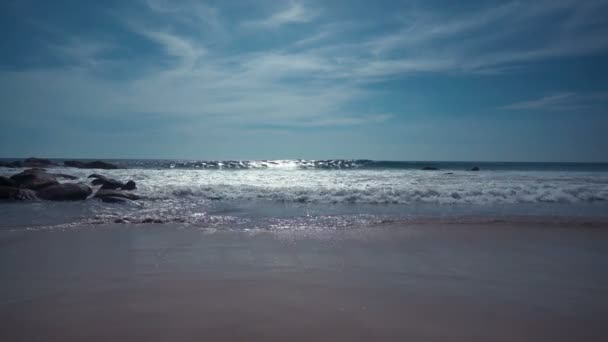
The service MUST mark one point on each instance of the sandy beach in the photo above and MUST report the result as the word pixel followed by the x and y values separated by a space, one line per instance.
pixel 419 282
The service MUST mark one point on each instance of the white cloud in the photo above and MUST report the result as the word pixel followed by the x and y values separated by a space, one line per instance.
pixel 294 14
pixel 564 101
pixel 308 81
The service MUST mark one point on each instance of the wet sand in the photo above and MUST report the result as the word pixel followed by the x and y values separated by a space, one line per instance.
pixel 473 282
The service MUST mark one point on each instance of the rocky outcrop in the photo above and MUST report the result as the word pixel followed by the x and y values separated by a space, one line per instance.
pixel 34 179
pixel 37 162
pixel 36 183
pixel 112 199
pixel 103 193
pixel 110 183
pixel 90 165
pixel 106 183
pixel 4 181
pixel 474 168
pixel 130 185
pixel 65 192
pixel 64 176
pixel 12 193
pixel 13 164
pixel 429 168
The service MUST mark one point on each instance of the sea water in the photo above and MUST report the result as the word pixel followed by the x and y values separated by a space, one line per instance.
pixel 327 194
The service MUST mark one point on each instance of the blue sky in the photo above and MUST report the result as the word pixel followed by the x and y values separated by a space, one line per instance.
pixel 397 80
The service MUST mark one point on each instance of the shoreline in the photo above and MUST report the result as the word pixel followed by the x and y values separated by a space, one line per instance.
pixel 432 282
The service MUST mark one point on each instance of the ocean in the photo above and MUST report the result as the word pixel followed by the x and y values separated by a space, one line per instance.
pixel 328 194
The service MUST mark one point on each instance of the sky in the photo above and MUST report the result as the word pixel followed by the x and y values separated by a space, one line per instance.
pixel 386 80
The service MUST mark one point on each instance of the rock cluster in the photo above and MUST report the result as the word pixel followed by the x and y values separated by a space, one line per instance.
pixel 39 162
pixel 90 165
pixel 37 183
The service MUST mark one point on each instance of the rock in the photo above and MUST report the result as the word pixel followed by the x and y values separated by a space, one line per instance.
pixel 474 168
pixel 73 163
pixel 130 185
pixel 65 192
pixel 114 199
pixel 12 193
pixel 449 173
pixel 151 220
pixel 110 183
pixel 5 181
pixel 13 164
pixel 63 175
pixel 115 193
pixel 107 183
pixel 90 165
pixel 37 162
pixel 34 179
pixel 430 168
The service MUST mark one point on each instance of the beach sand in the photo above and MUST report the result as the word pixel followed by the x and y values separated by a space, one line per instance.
pixel 420 282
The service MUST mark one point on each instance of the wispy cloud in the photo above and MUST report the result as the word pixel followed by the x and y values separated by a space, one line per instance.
pixel 293 14
pixel 560 102
pixel 205 67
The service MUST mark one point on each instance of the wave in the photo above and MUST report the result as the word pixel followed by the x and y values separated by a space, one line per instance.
pixel 370 195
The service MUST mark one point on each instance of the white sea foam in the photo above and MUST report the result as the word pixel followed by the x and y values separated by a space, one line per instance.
pixel 371 186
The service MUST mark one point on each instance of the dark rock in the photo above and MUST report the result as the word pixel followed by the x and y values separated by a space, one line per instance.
pixel 65 192
pixel 34 179
pixel 130 185
pixel 113 199
pixel 430 168
pixel 96 175
pixel 151 220
pixel 64 176
pixel 37 162
pixel 90 165
pixel 13 164
pixel 474 168
pixel 107 183
pixel 5 181
pixel 115 193
pixel 73 163
pixel 12 193
pixel 449 173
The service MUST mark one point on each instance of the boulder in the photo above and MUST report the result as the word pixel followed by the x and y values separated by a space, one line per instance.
pixel 430 168
pixel 113 199
pixel 115 193
pixel 64 176
pixel 130 185
pixel 5 181
pixel 474 168
pixel 12 193
pixel 65 192
pixel 37 162
pixel 106 183
pixel 90 165
pixel 13 164
pixel 73 163
pixel 34 179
